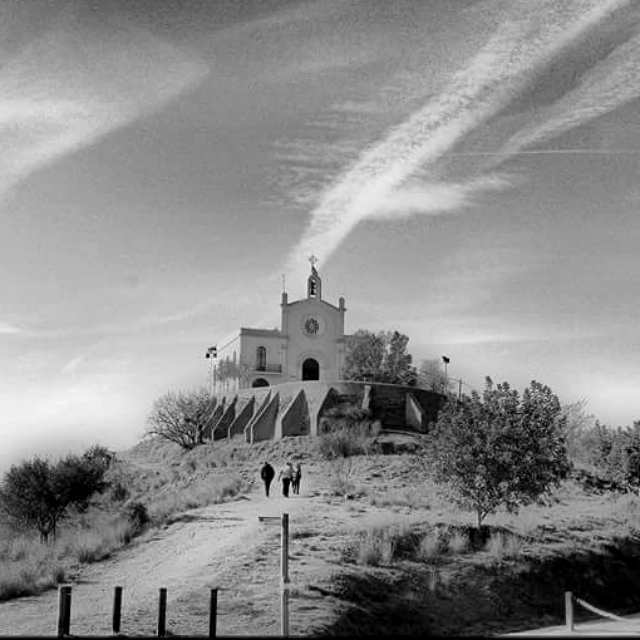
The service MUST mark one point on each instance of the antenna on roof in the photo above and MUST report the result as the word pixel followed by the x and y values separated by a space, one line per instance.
pixel 283 287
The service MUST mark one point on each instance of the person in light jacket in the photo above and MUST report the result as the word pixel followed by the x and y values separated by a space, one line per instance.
pixel 286 475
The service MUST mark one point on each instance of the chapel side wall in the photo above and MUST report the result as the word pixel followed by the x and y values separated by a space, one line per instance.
pixel 248 357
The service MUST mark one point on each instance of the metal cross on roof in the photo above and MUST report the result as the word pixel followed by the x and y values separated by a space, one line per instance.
pixel 313 260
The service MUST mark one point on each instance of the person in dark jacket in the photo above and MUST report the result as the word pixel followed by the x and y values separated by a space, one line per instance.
pixel 267 474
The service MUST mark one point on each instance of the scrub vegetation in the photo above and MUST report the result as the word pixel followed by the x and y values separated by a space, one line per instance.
pixel 389 543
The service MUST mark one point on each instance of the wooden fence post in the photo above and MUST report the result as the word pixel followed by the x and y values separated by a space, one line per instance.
pixel 117 609
pixel 568 610
pixel 284 584
pixel 162 613
pixel 64 610
pixel 213 612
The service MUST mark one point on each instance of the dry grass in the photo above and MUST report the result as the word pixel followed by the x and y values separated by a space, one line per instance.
pixel 168 482
pixel 162 508
pixel 458 543
pixel 432 547
pixel 413 497
pixel 503 545
pixel 435 541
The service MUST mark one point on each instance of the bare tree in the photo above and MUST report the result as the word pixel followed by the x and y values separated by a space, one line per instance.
pixel 432 377
pixel 180 417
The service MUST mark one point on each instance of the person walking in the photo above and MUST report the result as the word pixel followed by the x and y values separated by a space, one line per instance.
pixel 297 475
pixel 286 474
pixel 267 474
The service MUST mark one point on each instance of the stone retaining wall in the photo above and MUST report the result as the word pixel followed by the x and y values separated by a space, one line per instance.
pixel 296 408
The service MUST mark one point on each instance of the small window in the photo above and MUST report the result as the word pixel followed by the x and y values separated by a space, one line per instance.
pixel 261 358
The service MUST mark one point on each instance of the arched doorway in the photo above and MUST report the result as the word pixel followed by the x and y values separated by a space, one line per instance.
pixel 260 382
pixel 310 369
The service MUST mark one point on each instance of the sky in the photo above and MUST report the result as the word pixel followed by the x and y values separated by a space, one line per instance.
pixel 465 171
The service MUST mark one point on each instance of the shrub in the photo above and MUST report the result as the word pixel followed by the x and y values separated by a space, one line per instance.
pixel 613 455
pixel 137 516
pixel 38 493
pixel 118 492
pixel 500 449
pixel 347 430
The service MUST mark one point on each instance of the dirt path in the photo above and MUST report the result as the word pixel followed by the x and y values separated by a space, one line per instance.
pixel 206 545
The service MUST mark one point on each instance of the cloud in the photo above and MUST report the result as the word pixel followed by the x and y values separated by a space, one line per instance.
pixel 8 329
pixel 527 37
pixel 74 84
pixel 436 198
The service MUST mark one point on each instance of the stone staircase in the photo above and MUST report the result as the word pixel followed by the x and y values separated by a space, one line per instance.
pixel 389 407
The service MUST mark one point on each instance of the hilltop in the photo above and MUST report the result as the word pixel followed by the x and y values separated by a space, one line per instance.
pixel 376 547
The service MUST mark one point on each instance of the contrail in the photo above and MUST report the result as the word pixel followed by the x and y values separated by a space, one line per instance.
pixel 612 83
pixel 499 71
pixel 537 152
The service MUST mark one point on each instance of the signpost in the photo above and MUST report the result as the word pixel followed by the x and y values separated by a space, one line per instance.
pixel 284 568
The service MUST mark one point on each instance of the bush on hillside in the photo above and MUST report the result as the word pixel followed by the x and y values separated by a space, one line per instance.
pixel 137 516
pixel 347 430
pixel 613 455
pixel 499 449
pixel 38 494
pixel 181 417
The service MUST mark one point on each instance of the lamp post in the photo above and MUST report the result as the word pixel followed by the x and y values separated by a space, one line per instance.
pixel 458 380
pixel 446 362
pixel 212 353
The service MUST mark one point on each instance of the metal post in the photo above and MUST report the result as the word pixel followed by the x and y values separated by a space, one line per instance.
pixel 117 609
pixel 284 584
pixel 460 389
pixel 162 613
pixel 64 610
pixel 568 610
pixel 213 612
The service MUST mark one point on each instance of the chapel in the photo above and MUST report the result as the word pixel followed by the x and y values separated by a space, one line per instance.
pixel 309 345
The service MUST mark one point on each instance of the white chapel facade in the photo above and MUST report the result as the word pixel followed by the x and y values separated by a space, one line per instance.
pixel 310 344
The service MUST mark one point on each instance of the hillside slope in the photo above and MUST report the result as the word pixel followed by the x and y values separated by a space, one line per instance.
pixel 375 548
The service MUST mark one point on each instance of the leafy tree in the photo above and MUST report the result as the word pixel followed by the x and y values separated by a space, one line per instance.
pixel 396 365
pixel 432 377
pixel 180 417
pixel 612 455
pixel 578 424
pixel 500 449
pixel 379 357
pixel 364 355
pixel 39 494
